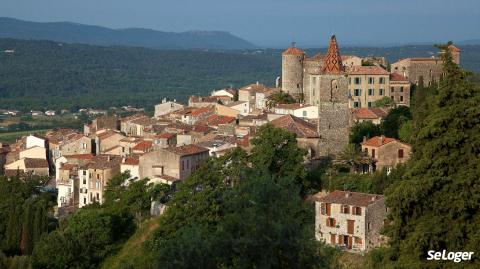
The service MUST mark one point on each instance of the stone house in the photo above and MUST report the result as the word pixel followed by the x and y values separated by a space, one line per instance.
pixel 126 125
pixel 262 97
pixel 108 141
pixel 306 133
pixel 166 107
pixel 95 176
pixel 224 110
pixel 171 164
pixel 131 164
pixel 366 85
pixel 350 220
pixel 230 92
pixel 374 114
pixel 165 140
pixel 31 166
pixel 299 110
pixel 429 68
pixel 386 152
pixel 248 94
pixel 400 89
pixel 100 123
pixel 243 107
pixel 67 185
pixel 35 152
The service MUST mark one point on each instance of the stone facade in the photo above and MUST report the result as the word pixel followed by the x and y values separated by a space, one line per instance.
pixel 387 152
pixel 350 220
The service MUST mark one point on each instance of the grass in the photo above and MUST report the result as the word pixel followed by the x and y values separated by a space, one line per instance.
pixel 132 254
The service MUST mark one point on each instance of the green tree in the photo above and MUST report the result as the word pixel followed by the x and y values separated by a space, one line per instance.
pixel 350 156
pixel 394 119
pixel 363 129
pixel 384 102
pixel 280 98
pixel 435 204
pixel 406 131
pixel 276 151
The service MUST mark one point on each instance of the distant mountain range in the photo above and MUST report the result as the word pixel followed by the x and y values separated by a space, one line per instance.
pixel 135 37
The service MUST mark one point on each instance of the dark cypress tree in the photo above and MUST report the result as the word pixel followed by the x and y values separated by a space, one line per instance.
pixel 435 205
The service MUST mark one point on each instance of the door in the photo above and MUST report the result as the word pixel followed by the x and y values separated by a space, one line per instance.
pixel 350 238
pixel 350 226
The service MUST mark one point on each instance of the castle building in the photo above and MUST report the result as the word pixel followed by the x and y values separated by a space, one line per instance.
pixel 430 69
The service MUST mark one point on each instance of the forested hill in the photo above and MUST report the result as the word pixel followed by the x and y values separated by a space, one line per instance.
pixel 52 75
pixel 95 35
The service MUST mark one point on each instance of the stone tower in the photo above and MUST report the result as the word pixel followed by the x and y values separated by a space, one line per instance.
pixel 292 71
pixel 334 114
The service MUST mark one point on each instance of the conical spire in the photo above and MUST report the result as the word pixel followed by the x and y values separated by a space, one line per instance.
pixel 333 61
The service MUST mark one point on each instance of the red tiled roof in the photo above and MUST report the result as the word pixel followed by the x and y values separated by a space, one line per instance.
pixel 292 106
pixel 80 156
pixel 348 198
pixel 131 161
pixel 202 110
pixel 215 120
pixel 293 51
pixel 35 163
pixel 187 150
pixel 144 145
pixel 333 61
pixel 397 77
pixel 166 135
pixel 296 125
pixel 367 70
pixel 200 128
pixel 68 166
pixel 376 141
pixel 369 113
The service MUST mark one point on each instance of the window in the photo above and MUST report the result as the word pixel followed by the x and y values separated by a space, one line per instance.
pixel 368 226
pixel 357 92
pixel 84 200
pixel 345 209
pixel 358 81
pixel 401 98
pixel 373 153
pixel 84 181
pixel 381 80
pixel 371 92
pixel 98 197
pixel 391 97
pixel 356 104
pixel 401 89
pixel 369 104
pixel 371 80
pixel 400 153
pixel 325 208
pixel 84 172
pixel 356 210
pixel 304 113
pixel 330 222
pixel 183 165
pixel 332 239
pixel 392 89
pixel 380 92
pixel 358 240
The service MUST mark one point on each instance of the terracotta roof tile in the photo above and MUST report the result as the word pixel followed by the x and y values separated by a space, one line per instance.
pixel 398 77
pixel 187 150
pixel 367 70
pixel 369 113
pixel 348 198
pixel 215 120
pixel 301 128
pixel 80 156
pixel 333 61
pixel 293 51
pixel 144 145
pixel 377 141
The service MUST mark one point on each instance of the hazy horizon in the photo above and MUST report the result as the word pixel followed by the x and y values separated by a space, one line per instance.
pixel 272 23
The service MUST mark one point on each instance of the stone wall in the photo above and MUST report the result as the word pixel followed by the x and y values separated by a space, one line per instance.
pixel 334 114
pixel 292 74
pixel 376 214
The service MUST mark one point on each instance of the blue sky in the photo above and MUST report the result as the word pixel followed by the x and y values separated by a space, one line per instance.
pixel 272 22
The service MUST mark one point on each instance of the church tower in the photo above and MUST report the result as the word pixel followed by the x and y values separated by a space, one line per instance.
pixel 292 71
pixel 332 100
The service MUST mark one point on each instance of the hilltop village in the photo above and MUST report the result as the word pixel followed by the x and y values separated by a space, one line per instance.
pixel 319 98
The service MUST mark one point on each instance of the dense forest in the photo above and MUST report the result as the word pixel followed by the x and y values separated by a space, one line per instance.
pixel 50 75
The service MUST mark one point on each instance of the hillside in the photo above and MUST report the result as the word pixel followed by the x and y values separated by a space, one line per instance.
pixel 52 75
pixel 95 35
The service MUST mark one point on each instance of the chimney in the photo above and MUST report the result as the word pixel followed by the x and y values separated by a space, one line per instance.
pixel 382 138
pixel 364 139
pixel 347 194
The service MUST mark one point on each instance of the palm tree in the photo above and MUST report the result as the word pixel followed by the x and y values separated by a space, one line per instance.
pixel 349 156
